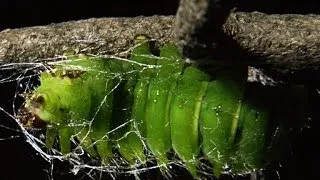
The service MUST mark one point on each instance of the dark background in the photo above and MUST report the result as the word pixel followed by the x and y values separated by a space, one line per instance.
pixel 16 13
pixel 18 160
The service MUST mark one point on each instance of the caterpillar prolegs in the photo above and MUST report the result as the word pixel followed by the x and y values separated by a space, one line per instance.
pixel 156 103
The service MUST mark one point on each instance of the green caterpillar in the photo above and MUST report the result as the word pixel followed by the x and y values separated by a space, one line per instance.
pixel 157 104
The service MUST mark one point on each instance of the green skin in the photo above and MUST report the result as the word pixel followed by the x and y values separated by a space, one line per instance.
pixel 158 103
pixel 254 118
pixel 69 112
pixel 174 106
pixel 184 116
pixel 220 116
pixel 131 145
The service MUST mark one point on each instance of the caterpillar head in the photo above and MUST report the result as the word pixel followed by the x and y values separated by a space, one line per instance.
pixel 46 103
pixel 57 95
pixel 45 107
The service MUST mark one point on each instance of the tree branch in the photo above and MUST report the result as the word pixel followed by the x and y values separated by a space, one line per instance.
pixel 284 43
pixel 96 35
pixel 288 42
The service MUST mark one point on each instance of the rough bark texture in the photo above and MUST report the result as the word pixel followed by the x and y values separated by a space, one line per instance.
pixel 288 42
pixel 197 27
pixel 96 35
pixel 284 43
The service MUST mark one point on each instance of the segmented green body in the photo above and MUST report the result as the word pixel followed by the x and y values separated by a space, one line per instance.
pixel 160 102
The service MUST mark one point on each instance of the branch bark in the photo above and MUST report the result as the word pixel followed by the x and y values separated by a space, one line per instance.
pixel 289 42
pixel 95 35
pixel 284 43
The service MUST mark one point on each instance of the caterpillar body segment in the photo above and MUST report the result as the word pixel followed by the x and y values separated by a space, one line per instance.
pixel 121 126
pixel 219 118
pixel 101 103
pixel 159 103
pixel 251 146
pixel 184 116
pixel 134 97
pixel 100 85
pixel 142 53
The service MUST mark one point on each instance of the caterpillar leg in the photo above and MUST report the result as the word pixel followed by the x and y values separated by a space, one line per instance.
pixel 65 134
pixel 85 141
pixel 51 134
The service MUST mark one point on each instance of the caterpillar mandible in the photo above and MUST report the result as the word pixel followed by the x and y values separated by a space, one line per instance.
pixel 156 103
